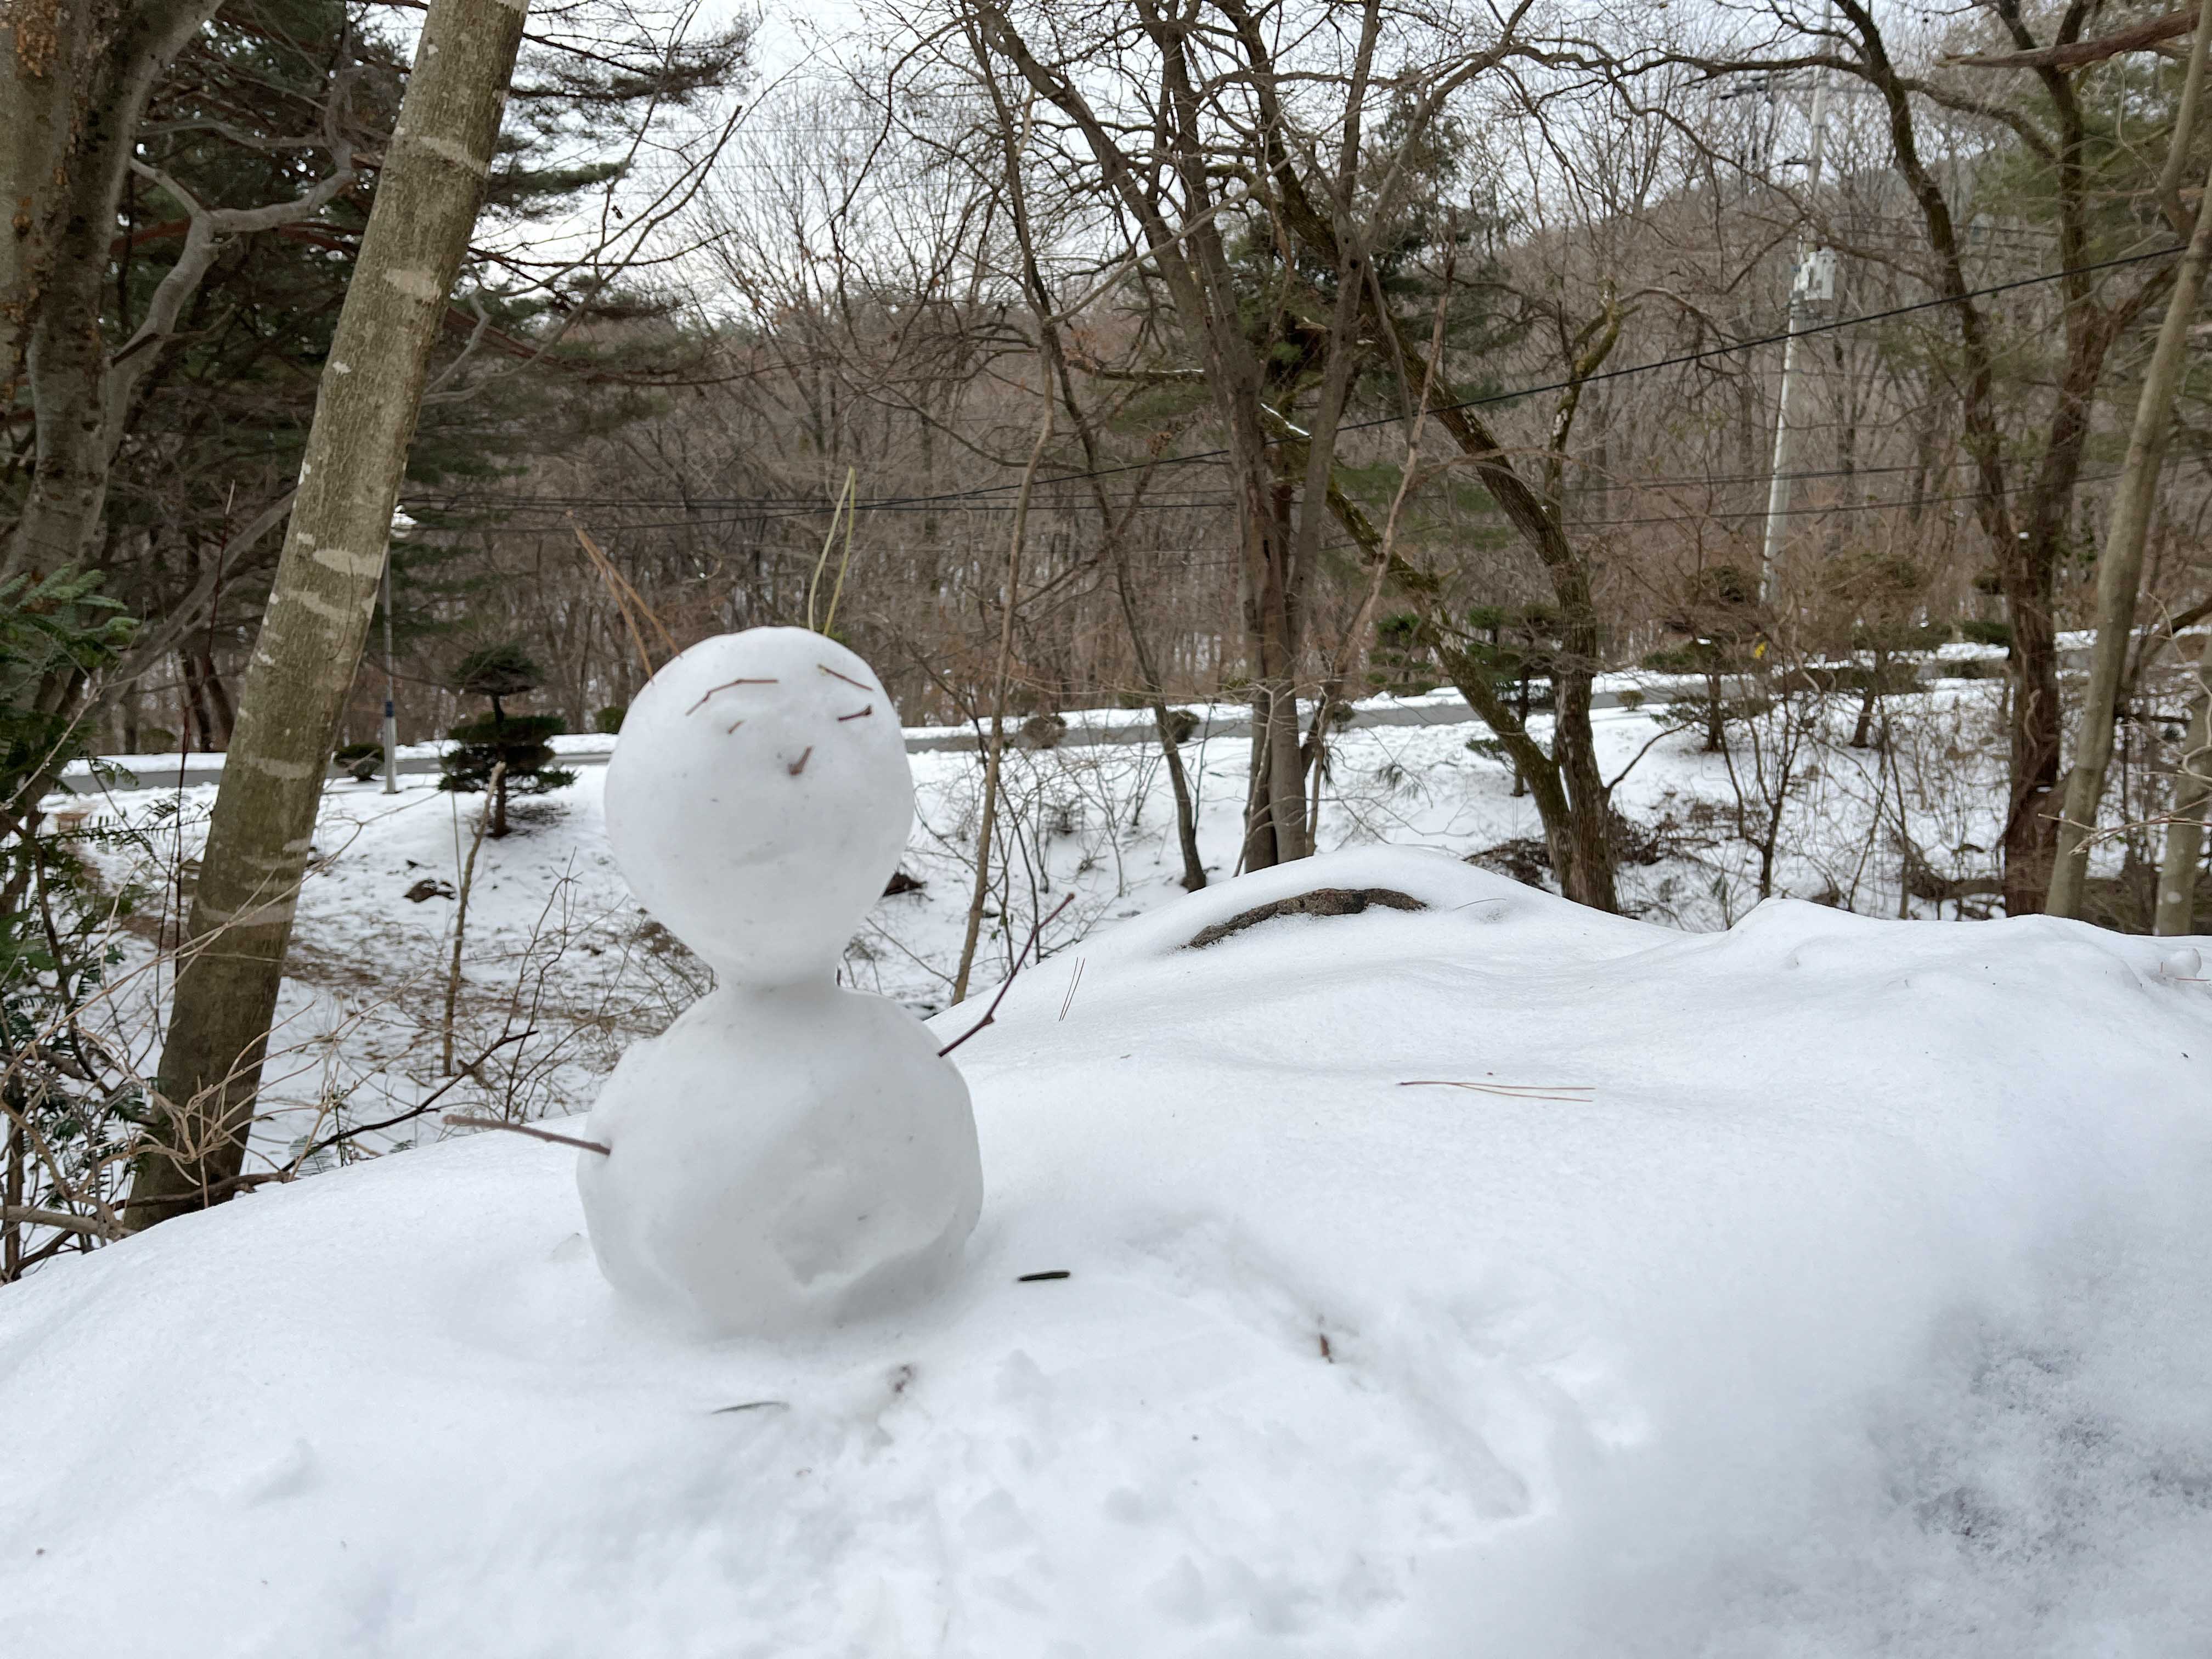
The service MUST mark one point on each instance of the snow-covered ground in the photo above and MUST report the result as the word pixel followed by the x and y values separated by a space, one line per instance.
pixel 1630 688
pixel 1496 1279
pixel 556 946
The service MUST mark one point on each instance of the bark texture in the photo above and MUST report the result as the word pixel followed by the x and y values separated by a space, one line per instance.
pixel 75 76
pixel 318 617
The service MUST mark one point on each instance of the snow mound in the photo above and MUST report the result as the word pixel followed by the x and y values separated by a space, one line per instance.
pixel 1828 1287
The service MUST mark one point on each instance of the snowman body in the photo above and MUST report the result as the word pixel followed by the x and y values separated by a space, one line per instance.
pixel 788 1154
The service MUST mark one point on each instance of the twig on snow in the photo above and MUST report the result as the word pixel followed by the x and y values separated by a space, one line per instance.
pixel 1573 1094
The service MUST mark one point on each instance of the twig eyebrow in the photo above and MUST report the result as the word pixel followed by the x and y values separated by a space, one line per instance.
pixel 834 675
pixel 724 686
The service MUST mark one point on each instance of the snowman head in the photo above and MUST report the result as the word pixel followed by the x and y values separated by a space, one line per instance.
pixel 759 800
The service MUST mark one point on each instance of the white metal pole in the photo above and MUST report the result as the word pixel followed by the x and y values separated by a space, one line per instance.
pixel 1802 284
pixel 400 523
pixel 1778 487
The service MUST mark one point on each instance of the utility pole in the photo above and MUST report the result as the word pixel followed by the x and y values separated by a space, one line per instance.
pixel 401 523
pixel 1812 284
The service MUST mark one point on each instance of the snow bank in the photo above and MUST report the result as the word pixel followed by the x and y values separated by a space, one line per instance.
pixel 1828 1286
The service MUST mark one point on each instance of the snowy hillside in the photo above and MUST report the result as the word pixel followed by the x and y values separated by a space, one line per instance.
pixel 1828 1286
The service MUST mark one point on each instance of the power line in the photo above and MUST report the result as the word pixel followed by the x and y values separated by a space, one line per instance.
pixel 1792 334
pixel 1573 524
pixel 1676 361
pixel 1797 511
pixel 950 499
pixel 768 506
pixel 756 507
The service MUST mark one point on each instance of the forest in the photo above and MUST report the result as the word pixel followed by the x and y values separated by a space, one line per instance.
pixel 1712 500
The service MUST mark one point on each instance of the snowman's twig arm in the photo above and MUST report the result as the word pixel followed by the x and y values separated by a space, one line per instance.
pixel 252 1178
pixel 1008 984
pixel 463 1075
pixel 463 1121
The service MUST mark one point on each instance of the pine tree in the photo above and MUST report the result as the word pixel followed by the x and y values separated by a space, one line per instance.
pixel 500 751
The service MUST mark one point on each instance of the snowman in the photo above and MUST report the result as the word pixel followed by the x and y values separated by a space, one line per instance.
pixel 788 1154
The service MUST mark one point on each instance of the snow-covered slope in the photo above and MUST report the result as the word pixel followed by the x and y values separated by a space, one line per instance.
pixel 1828 1286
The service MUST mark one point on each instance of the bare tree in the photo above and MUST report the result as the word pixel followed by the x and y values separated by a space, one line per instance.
pixel 2119 567
pixel 2027 469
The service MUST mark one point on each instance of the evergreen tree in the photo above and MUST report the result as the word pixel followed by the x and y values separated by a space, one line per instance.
pixel 68 1104
pixel 1718 607
pixel 259 106
pixel 500 751
pixel 1881 591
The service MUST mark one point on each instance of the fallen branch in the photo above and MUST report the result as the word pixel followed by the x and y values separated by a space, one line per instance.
pixel 991 1012
pixel 1321 901
pixel 30 1215
pixel 463 1121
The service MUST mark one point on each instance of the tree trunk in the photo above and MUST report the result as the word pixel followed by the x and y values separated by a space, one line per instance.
pixel 1259 817
pixel 1193 867
pixel 1113 528
pixel 1569 792
pixel 1187 244
pixel 2026 554
pixel 995 751
pixel 200 723
pixel 1862 730
pixel 495 789
pixel 74 79
pixel 2031 837
pixel 2184 830
pixel 326 589
pixel 1589 879
pixel 2120 571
